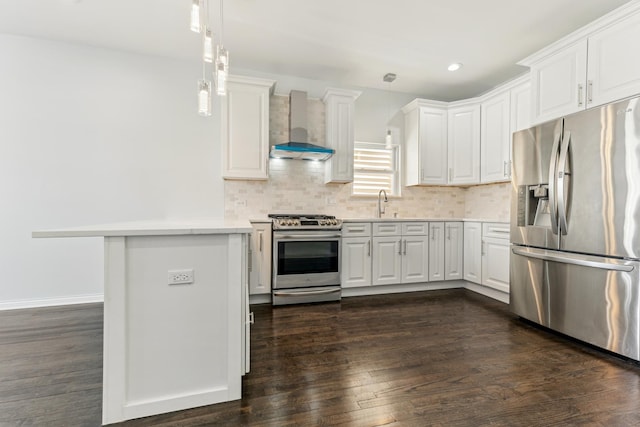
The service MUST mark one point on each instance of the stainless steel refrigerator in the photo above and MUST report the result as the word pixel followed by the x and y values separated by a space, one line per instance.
pixel 575 226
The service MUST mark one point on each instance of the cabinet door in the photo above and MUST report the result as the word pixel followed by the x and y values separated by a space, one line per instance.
pixel 340 116
pixel 245 128
pixel 520 107
pixel 433 146
pixel 260 276
pixel 495 139
pixel 558 83
pixel 415 259
pixel 453 251
pixel 464 145
pixel 387 262
pixel 356 262
pixel 614 64
pixel 472 253
pixel 436 251
pixel 495 263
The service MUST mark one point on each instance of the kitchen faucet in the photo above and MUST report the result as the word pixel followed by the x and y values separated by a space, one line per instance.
pixel 380 205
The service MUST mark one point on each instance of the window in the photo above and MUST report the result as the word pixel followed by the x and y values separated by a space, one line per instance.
pixel 375 168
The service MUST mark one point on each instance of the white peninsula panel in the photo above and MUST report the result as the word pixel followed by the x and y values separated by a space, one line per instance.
pixel 171 346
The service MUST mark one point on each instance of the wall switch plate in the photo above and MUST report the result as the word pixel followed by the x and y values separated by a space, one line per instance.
pixel 180 277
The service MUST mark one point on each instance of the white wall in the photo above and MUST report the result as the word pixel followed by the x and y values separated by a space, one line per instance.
pixel 373 108
pixel 89 136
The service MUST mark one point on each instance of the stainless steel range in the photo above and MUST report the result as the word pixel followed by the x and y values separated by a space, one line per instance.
pixel 306 258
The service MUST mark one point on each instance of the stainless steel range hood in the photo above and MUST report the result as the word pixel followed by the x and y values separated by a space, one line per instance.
pixel 298 146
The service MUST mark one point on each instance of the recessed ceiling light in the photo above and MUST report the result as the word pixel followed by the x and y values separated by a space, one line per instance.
pixel 455 66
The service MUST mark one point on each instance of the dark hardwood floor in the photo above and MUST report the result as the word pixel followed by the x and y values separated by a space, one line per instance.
pixel 440 358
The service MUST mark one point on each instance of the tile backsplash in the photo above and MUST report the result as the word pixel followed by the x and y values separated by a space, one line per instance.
pixel 297 186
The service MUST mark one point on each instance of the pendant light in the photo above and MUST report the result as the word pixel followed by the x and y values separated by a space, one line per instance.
pixel 388 139
pixel 222 59
pixel 204 85
pixel 204 97
pixel 196 10
pixel 207 45
pixel 200 24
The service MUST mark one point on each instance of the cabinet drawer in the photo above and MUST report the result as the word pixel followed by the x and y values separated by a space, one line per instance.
pixel 415 229
pixel 387 229
pixel 356 229
pixel 496 230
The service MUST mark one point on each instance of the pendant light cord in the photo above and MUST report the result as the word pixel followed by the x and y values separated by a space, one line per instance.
pixel 221 23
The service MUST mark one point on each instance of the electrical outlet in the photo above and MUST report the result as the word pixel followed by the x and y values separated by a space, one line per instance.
pixel 180 277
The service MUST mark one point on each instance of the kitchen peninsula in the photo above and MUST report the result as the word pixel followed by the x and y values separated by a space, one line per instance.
pixel 175 314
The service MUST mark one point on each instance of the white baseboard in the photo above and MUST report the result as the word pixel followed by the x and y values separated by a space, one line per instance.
pixel 394 289
pixel 488 292
pixel 260 299
pixel 49 302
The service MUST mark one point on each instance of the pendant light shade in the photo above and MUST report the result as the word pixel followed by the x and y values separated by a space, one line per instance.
pixel 204 97
pixel 388 140
pixel 196 10
pixel 222 70
pixel 207 46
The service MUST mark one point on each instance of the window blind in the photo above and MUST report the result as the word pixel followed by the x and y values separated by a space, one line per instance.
pixel 374 169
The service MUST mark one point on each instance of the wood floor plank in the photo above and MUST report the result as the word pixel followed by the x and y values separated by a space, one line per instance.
pixel 440 358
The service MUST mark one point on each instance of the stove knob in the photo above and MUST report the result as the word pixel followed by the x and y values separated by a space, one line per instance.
pixel 289 222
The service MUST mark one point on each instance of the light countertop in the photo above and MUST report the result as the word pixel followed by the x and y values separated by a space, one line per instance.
pixel 401 219
pixel 151 228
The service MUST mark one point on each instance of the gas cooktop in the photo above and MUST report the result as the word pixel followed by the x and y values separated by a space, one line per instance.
pixel 305 222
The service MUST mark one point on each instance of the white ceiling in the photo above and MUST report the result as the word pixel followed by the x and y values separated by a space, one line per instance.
pixel 345 42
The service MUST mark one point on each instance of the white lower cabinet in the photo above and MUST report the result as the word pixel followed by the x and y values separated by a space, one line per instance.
pixel 473 252
pixel 495 256
pixel 453 251
pixel 400 253
pixel 391 253
pixel 445 251
pixel 356 254
pixel 356 262
pixel 387 260
pixel 414 259
pixel 436 251
pixel 260 261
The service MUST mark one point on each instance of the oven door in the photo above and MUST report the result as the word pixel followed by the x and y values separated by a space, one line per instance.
pixel 306 259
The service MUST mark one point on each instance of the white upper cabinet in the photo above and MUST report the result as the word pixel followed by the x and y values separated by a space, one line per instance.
pixel 245 128
pixel 425 143
pixel 464 144
pixel 339 113
pixel 495 138
pixel 558 83
pixel 593 66
pixel 521 107
pixel 613 68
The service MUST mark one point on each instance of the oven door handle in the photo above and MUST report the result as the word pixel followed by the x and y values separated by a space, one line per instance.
pixel 301 293
pixel 306 236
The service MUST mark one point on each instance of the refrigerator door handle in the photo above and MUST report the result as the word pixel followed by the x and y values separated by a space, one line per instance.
pixel 562 174
pixel 553 201
pixel 575 259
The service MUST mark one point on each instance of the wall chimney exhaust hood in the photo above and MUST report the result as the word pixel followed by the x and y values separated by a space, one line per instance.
pixel 298 146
